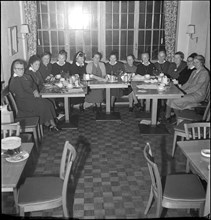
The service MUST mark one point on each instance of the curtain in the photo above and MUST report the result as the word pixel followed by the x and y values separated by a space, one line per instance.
pixel 170 25
pixel 30 9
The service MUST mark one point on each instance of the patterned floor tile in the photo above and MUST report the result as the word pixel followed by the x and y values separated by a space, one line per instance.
pixel 112 177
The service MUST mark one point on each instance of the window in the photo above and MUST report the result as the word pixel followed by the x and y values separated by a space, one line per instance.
pixel 125 27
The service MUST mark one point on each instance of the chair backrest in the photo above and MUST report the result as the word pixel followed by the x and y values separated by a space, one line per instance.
pixel 154 173
pixel 198 130
pixel 68 157
pixel 12 103
pixel 207 96
pixel 206 116
pixel 69 154
pixel 8 130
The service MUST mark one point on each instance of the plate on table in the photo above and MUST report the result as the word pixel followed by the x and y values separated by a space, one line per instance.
pixel 112 81
pixel 142 91
pixel 10 143
pixel 23 155
pixel 205 152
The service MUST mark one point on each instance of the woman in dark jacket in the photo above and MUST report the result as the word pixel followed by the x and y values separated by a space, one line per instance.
pixel 114 67
pixel 45 65
pixel 27 97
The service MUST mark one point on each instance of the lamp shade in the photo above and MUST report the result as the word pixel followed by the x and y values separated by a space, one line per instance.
pixel 190 29
pixel 24 29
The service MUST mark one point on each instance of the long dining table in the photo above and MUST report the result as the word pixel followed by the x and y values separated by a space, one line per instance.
pixel 95 84
pixel 70 122
pixel 192 151
pixel 11 172
pixel 149 91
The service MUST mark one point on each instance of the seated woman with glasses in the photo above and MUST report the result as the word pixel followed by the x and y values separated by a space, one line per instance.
pixel 98 72
pixel 29 102
pixel 45 65
pixel 114 67
pixel 61 66
pixel 194 89
pixel 78 67
pixel 131 68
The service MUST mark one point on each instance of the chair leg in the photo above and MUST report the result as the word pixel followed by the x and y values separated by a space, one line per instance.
pixel 159 208
pixel 35 138
pixel 41 130
pixel 22 213
pixel 15 193
pixel 187 166
pixel 174 143
pixel 39 134
pixel 149 202
pixel 201 210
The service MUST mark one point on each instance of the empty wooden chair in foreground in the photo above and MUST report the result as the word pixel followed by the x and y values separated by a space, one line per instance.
pixel 28 124
pixel 181 191
pixel 196 131
pixel 41 193
pixel 8 130
pixel 179 129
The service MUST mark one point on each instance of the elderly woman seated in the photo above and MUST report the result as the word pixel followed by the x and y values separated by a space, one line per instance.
pixel 194 89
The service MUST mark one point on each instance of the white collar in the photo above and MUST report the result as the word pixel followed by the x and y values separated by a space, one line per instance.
pixel 192 67
pixel 60 64
pixel 30 68
pixel 145 64
pixel 78 64
pixel 112 64
pixel 15 75
pixel 162 62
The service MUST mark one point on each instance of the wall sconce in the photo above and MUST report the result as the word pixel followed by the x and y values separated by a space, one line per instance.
pixel 191 31
pixel 24 30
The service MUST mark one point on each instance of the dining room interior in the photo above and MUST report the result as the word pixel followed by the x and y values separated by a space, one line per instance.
pixel 105 109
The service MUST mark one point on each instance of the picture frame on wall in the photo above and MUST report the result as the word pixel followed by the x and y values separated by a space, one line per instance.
pixel 12 40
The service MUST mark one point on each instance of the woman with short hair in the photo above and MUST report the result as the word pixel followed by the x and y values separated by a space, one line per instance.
pixel 114 67
pixel 61 66
pixel 28 100
pixel 45 65
pixel 97 70
pixel 194 89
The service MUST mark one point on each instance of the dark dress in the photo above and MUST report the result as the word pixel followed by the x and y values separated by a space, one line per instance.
pixel 162 67
pixel 23 88
pixel 95 95
pixel 174 71
pixel 45 70
pixel 184 75
pixel 142 69
pixel 129 69
pixel 37 78
pixel 80 70
pixel 115 70
pixel 63 70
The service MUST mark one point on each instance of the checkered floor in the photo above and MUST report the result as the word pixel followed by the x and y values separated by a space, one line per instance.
pixel 113 180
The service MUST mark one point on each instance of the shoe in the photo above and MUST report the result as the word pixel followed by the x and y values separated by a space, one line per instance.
pixel 54 128
pixel 137 105
pixel 130 109
pixel 81 108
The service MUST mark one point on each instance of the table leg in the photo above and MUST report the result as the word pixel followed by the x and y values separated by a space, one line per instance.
pixel 207 201
pixel 154 112
pixel 66 109
pixel 108 100
pixel 147 105
pixel 15 193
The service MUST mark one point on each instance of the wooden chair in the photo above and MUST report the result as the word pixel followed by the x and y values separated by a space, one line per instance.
pixel 181 191
pixel 42 193
pixel 10 129
pixel 196 131
pixel 191 115
pixel 179 130
pixel 28 124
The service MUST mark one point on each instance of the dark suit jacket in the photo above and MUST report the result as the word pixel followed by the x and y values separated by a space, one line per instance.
pixel 174 72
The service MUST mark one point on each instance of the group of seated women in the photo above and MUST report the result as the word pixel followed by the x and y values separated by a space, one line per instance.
pixel 26 83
